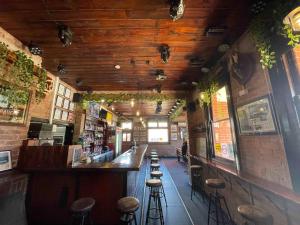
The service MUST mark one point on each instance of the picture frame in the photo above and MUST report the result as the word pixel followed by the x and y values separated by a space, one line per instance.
pixel 66 104
pixel 174 137
pixel 59 101
pixel 61 89
pixel 57 114
pixel 67 93
pixel 64 116
pixel 256 117
pixel 5 161
pixel 173 128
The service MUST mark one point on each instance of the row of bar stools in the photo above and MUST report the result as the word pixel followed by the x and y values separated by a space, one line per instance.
pixel 197 181
pixel 255 215
pixel 154 167
pixel 154 198
pixel 81 211
pixel 158 175
pixel 128 206
pixel 216 198
pixel 154 160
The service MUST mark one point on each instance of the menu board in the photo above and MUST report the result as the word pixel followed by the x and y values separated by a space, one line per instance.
pixel 256 117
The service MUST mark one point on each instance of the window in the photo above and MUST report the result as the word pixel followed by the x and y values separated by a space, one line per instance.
pixel 158 131
pixel 126 125
pixel 221 126
pixel 126 136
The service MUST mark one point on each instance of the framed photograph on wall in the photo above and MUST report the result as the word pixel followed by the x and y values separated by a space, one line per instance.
pixel 5 161
pixel 173 136
pixel 256 117
pixel 61 89
pixel 173 128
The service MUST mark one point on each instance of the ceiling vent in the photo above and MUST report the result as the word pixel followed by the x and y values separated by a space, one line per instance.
pixel 215 31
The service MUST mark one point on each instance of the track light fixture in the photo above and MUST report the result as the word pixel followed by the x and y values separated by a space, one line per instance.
pixel 34 49
pixel 164 53
pixel 61 69
pixel 65 35
pixel 160 75
pixel 176 9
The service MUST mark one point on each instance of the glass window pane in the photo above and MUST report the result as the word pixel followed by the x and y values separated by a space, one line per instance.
pixel 220 105
pixel 128 137
pixel 163 124
pixel 124 137
pixel 158 135
pixel 127 125
pixel 152 124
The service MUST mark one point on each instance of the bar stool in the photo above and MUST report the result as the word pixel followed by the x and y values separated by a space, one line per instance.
pixel 154 155
pixel 154 198
pixel 197 181
pixel 154 166
pixel 154 160
pixel 81 209
pixel 128 206
pixel 216 198
pixel 255 215
pixel 158 175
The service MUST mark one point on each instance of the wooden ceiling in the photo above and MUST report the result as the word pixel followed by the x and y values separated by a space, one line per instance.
pixel 123 32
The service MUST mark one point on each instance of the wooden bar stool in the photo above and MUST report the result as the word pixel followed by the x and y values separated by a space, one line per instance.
pixel 216 198
pixel 128 206
pixel 154 166
pixel 158 175
pixel 197 181
pixel 154 203
pixel 81 210
pixel 154 160
pixel 255 215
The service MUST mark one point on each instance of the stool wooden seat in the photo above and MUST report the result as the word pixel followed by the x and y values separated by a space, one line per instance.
pixel 81 209
pixel 127 206
pixel 196 167
pixel 156 174
pixel 154 160
pixel 154 166
pixel 215 183
pixel 255 214
pixel 82 205
pixel 153 183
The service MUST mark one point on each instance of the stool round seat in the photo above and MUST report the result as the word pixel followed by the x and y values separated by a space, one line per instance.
pixel 153 183
pixel 154 154
pixel 194 167
pixel 155 165
pixel 128 204
pixel 156 174
pixel 215 183
pixel 155 160
pixel 255 214
pixel 82 205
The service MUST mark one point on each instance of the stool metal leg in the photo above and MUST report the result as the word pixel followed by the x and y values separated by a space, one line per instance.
pixel 164 194
pixel 209 208
pixel 217 203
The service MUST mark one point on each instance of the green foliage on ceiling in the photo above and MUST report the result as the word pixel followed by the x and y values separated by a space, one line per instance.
pixel 207 90
pixel 268 24
pixel 178 111
pixel 127 97
pixel 19 78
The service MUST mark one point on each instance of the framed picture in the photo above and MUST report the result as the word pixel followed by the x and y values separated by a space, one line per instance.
pixel 5 161
pixel 64 116
pixel 57 114
pixel 173 136
pixel 66 104
pixel 59 101
pixel 68 93
pixel 61 89
pixel 173 128
pixel 71 106
pixel 256 117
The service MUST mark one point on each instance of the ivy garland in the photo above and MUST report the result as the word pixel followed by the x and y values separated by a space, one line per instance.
pixel 19 77
pixel 268 24
pixel 126 97
pixel 207 91
pixel 178 110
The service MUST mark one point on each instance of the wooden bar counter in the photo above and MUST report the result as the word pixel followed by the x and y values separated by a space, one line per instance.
pixel 51 191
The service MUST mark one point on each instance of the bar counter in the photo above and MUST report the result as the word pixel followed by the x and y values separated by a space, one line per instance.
pixel 51 191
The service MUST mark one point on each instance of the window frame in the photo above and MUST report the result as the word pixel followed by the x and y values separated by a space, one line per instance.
pixel 159 128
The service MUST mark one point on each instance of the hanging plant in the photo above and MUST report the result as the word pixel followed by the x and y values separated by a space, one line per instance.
pixel 267 24
pixel 207 91
pixel 178 110
pixel 19 77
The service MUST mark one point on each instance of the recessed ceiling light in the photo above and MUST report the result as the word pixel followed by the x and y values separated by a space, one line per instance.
pixel 205 70
pixel 117 67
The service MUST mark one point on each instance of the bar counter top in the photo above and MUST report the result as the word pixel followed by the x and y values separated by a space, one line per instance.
pixel 130 160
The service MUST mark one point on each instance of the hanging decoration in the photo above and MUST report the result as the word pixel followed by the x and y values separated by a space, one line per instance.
pixel 18 76
pixel 268 24
pixel 177 109
pixel 207 90
pixel 176 9
pixel 164 53
pixel 158 107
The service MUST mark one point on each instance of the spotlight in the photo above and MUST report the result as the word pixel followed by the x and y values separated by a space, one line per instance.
pixel 34 49
pixel 160 75
pixel 137 113
pixel 65 35
pixel 79 82
pixel 61 69
pixel 176 9
pixel 132 102
pixel 164 53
